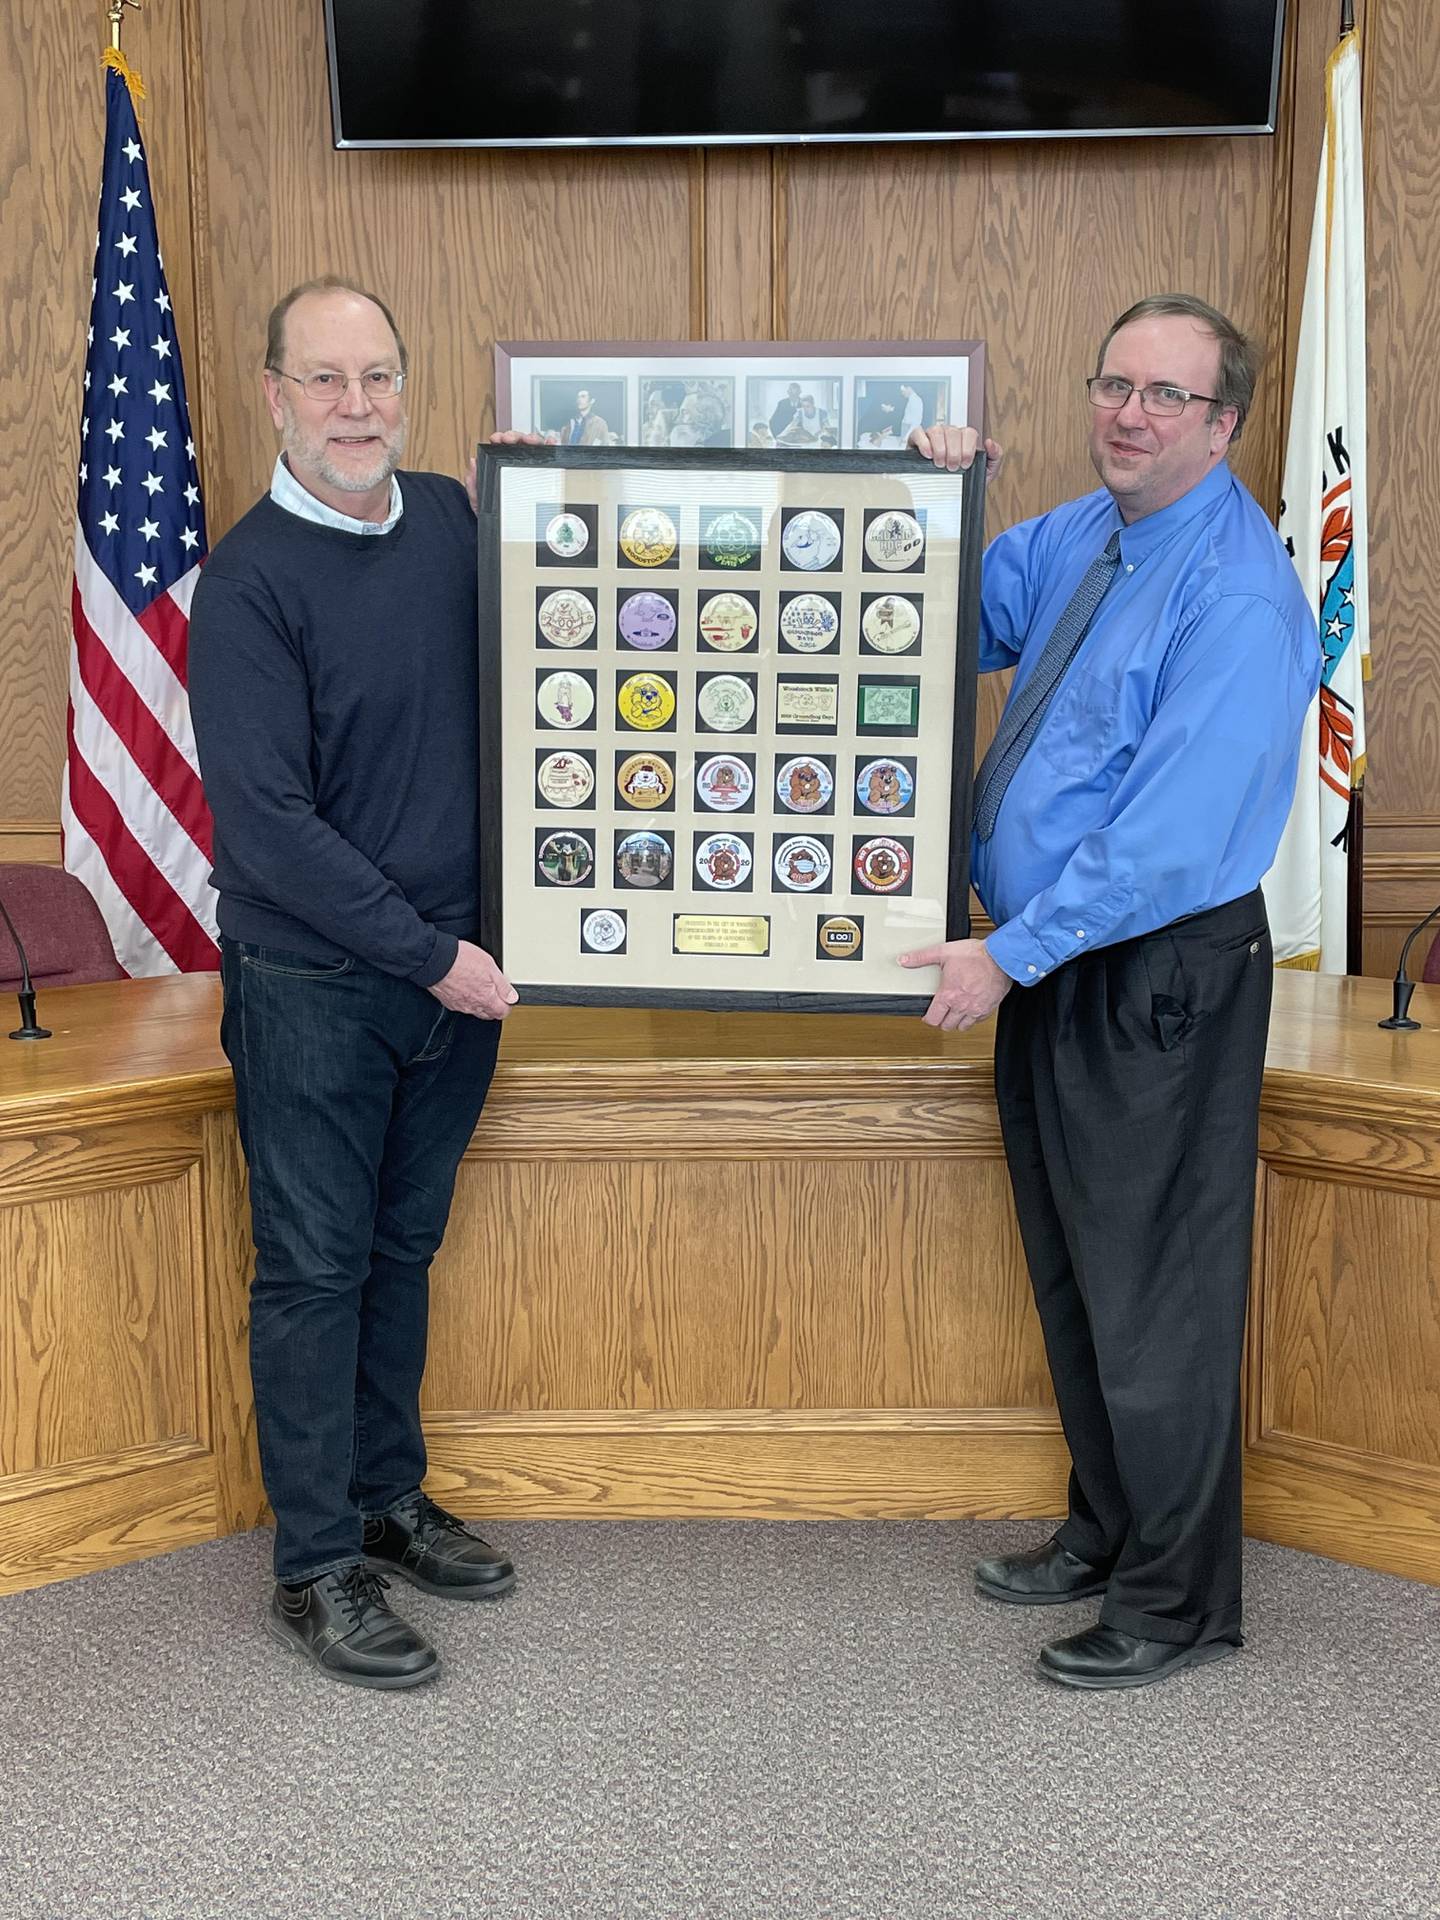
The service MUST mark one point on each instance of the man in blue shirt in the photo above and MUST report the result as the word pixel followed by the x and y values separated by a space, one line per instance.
pixel 1133 798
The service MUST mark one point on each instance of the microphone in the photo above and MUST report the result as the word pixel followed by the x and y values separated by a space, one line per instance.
pixel 27 1030
pixel 1404 985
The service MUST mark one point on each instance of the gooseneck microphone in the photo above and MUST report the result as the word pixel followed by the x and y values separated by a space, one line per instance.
pixel 27 1029
pixel 1404 985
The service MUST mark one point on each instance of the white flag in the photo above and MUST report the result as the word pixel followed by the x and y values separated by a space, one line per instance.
pixel 1322 521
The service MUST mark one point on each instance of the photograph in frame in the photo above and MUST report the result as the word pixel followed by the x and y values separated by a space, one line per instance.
pixel 743 394
pixel 727 817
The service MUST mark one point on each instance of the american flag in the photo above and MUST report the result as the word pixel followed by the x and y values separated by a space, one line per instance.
pixel 136 827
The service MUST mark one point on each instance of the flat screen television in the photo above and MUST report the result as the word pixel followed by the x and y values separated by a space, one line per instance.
pixel 541 73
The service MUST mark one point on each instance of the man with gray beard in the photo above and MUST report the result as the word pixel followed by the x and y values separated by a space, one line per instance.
pixel 333 683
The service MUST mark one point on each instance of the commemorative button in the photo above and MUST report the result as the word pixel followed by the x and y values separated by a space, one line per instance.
pixel 803 785
pixel 566 618
pixel 811 541
pixel 894 541
pixel 724 784
pixel 884 786
pixel 566 859
pixel 882 866
pixel 728 622
pixel 840 937
pixel 731 540
pixel 645 700
pixel 567 535
pixel 603 931
pixel 648 537
pixel 644 859
pixel 723 861
pixel 802 863
pixel 646 620
pixel 565 779
pixel 645 780
pixel 565 699
pixel 809 623
pixel 891 624
pixel 726 702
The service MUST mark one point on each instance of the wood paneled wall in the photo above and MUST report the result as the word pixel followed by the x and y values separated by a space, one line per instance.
pixel 1033 245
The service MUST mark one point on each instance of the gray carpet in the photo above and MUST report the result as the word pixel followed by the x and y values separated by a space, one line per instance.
pixel 698 1721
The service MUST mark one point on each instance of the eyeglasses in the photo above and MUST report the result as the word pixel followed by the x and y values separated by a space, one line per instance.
pixel 1109 391
pixel 380 383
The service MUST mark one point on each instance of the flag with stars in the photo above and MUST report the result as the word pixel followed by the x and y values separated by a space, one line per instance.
pixel 1323 523
pixel 136 827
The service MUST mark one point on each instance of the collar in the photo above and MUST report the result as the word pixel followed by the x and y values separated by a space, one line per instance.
pixel 1146 536
pixel 287 492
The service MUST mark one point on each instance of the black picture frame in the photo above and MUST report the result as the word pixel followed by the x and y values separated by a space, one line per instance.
pixel 492 462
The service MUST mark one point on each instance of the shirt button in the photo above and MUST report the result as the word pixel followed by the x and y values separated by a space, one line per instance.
pixel 1129 569
pixel 1079 933
pixel 1030 969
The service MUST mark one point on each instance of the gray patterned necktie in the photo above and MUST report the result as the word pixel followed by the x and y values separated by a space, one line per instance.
pixel 1022 717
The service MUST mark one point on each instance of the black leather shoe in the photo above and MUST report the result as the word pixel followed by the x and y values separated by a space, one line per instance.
pixel 1047 1576
pixel 343 1623
pixel 1108 1657
pixel 436 1552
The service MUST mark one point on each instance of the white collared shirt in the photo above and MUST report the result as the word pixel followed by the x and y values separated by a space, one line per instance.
pixel 287 492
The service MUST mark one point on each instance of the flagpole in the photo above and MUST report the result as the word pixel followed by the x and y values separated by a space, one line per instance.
pixel 1347 16
pixel 116 13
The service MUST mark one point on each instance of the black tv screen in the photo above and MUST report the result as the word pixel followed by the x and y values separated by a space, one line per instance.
pixel 534 73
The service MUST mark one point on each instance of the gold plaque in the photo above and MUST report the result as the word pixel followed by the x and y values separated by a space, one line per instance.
pixel 722 933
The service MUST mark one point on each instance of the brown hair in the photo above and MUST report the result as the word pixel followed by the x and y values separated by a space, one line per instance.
pixel 327 283
pixel 1240 356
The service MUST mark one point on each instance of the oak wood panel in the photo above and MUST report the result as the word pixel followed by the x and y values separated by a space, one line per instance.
pixel 1401 887
pixel 739 258
pixel 1352 1318
pixel 740 1284
pixel 1403 171
pixel 469 247
pixel 229 1263
pixel 52 102
pixel 101 1329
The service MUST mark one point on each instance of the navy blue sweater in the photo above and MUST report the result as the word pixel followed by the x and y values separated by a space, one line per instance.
pixel 334 687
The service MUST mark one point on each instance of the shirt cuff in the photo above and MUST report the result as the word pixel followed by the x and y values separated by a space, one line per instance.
pixel 1014 948
pixel 442 959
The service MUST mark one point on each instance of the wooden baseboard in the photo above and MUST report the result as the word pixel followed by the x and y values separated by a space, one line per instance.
pixel 108 1515
pixel 1006 1463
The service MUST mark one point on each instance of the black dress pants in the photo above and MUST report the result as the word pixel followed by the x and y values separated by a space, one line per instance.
pixel 1129 1090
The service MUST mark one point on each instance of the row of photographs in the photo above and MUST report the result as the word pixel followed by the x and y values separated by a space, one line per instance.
pixel 647 538
pixel 732 783
pixel 650 701
pixel 731 620
pixel 729 860
pixel 808 410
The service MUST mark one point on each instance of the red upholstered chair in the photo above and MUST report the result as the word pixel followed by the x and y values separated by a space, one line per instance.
pixel 66 941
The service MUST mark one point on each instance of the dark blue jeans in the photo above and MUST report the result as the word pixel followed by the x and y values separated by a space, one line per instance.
pixel 356 1095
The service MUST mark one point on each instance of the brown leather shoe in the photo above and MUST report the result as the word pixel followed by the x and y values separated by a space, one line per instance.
pixel 343 1624
pixel 1104 1657
pixel 436 1552
pixel 1047 1576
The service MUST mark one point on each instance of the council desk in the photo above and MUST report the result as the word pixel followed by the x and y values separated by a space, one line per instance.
pixel 698 1265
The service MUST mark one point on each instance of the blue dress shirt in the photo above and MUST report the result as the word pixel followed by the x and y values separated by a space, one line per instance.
pixel 1162 775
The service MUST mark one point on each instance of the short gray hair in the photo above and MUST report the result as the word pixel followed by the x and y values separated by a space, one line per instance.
pixel 327 283
pixel 1240 356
